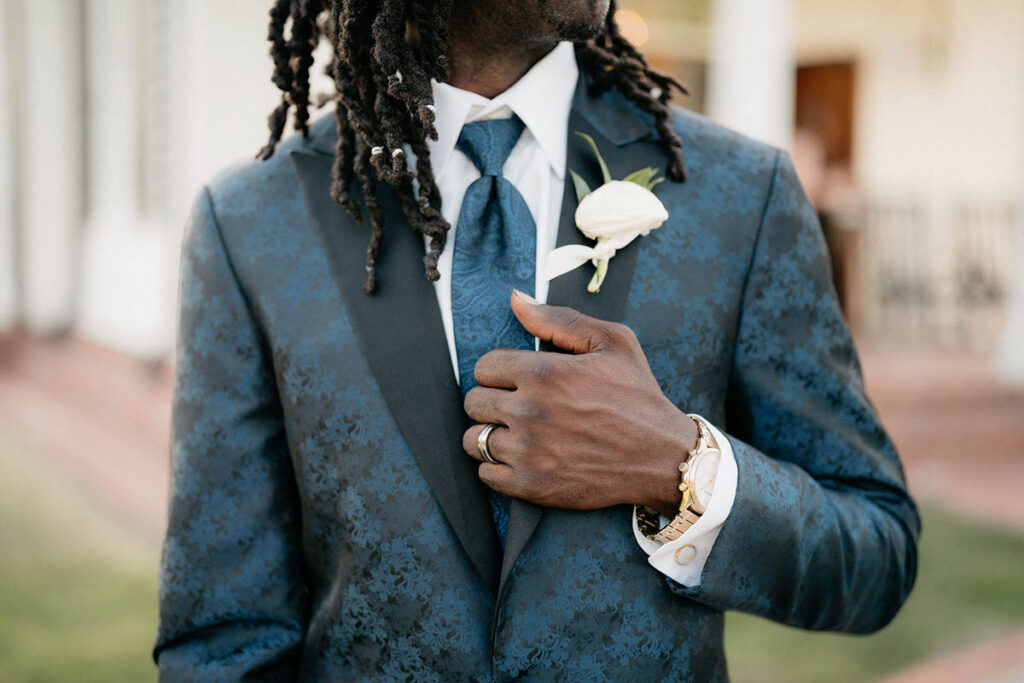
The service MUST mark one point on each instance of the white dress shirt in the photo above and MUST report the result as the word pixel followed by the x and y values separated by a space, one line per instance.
pixel 542 98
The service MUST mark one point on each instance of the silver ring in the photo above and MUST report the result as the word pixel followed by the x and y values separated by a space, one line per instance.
pixel 481 443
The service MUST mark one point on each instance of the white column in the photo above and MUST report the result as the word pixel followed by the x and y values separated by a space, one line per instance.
pixel 1010 356
pixel 115 72
pixel 50 133
pixel 221 89
pixel 751 70
pixel 8 285
pixel 123 250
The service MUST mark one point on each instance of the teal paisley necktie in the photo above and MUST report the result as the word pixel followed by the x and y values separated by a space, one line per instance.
pixel 495 252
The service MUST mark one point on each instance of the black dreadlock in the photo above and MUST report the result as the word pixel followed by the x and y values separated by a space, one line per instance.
pixel 385 53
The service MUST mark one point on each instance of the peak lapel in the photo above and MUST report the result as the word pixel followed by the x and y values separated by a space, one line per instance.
pixel 571 289
pixel 402 338
pixel 613 125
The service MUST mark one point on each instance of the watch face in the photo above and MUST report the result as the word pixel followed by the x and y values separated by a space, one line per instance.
pixel 702 472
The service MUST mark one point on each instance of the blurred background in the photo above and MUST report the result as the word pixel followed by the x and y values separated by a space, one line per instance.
pixel 905 119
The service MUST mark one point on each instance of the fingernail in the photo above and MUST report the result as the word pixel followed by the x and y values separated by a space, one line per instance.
pixel 525 297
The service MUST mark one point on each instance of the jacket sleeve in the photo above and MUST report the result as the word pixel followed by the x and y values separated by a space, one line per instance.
pixel 822 534
pixel 231 595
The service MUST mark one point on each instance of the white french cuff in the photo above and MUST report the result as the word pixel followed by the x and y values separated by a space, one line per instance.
pixel 683 559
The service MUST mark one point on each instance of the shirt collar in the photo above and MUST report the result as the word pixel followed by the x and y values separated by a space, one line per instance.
pixel 542 98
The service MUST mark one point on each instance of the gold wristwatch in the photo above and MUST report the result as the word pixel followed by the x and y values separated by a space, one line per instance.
pixel 697 482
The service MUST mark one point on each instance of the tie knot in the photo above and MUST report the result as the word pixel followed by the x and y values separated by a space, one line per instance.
pixel 488 143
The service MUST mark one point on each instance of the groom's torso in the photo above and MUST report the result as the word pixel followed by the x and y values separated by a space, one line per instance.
pixel 403 573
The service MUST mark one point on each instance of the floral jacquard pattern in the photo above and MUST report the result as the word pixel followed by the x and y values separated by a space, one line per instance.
pixel 305 543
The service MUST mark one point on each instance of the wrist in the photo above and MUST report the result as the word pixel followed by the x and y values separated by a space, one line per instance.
pixel 662 491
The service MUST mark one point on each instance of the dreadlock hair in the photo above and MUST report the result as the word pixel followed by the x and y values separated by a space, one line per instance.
pixel 385 53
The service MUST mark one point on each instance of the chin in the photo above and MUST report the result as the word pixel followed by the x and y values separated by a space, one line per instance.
pixel 576 20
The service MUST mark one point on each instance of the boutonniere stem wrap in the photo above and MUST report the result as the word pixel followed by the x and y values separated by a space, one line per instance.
pixel 614 215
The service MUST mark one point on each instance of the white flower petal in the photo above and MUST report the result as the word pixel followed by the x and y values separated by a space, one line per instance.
pixel 564 259
pixel 620 208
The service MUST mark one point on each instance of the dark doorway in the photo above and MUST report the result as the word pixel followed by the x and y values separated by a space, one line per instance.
pixel 824 152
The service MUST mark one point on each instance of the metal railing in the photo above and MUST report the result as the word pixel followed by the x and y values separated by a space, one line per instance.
pixel 938 278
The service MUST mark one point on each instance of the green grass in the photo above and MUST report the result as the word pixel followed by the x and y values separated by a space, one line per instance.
pixel 78 600
pixel 970 586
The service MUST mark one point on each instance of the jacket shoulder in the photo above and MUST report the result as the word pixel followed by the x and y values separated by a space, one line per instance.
pixel 258 210
pixel 730 180
pixel 244 191
pixel 711 147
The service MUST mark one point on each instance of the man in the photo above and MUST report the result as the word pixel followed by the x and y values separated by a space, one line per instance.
pixel 377 475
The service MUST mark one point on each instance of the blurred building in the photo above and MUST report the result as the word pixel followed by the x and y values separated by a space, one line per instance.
pixel 906 119
pixel 112 115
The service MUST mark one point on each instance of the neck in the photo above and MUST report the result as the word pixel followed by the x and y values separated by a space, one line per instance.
pixel 483 59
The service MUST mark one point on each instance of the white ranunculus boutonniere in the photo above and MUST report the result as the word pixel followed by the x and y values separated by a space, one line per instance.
pixel 614 214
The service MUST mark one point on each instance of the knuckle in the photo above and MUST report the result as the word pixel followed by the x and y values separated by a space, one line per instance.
pixel 520 444
pixel 571 317
pixel 570 365
pixel 545 370
pixel 531 410
pixel 545 465
pixel 621 332
pixel 486 360
pixel 499 443
pixel 512 443
pixel 491 363
pixel 534 455
pixel 472 402
pixel 485 472
pixel 491 475
pixel 523 444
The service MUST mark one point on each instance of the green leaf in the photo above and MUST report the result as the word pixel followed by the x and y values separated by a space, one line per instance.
pixel 600 160
pixel 582 189
pixel 650 185
pixel 643 177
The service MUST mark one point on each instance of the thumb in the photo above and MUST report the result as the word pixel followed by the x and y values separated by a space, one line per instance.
pixel 564 327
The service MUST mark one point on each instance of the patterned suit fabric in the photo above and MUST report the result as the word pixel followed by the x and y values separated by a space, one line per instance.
pixel 309 539
pixel 495 252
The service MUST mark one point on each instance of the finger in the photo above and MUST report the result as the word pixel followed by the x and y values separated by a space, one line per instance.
pixel 485 404
pixel 500 478
pixel 500 368
pixel 499 441
pixel 564 327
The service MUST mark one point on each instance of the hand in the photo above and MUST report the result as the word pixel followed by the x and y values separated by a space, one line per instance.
pixel 585 430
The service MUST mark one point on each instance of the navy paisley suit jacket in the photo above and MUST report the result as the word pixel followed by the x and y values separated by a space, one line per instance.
pixel 325 524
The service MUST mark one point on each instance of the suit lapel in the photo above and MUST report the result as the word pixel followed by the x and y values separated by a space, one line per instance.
pixel 402 338
pixel 571 289
pixel 613 125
